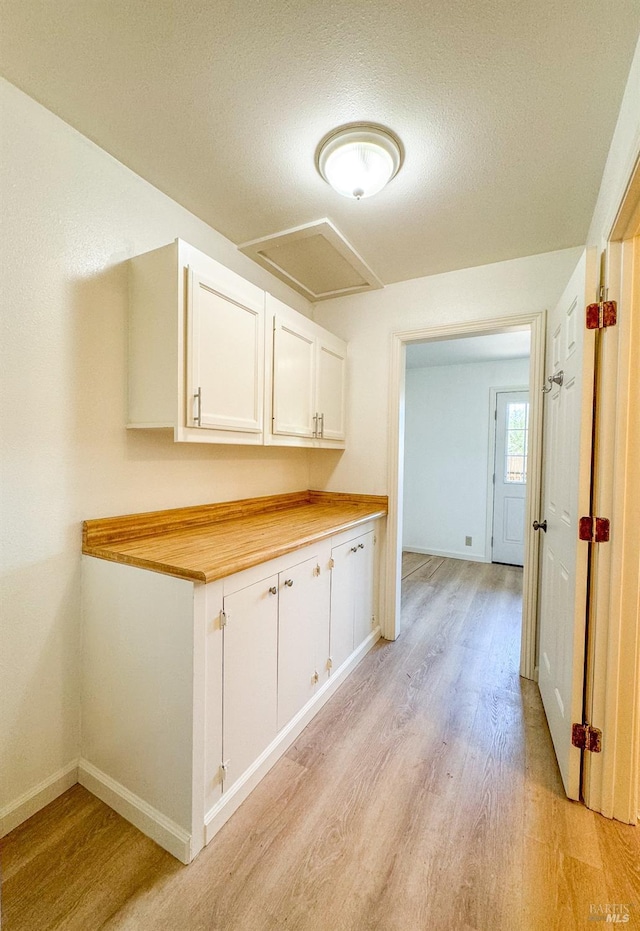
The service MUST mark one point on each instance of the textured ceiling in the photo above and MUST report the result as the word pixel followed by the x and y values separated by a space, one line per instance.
pixel 505 107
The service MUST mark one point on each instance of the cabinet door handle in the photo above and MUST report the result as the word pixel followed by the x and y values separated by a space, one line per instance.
pixel 315 424
pixel 354 549
pixel 360 546
pixel 288 582
pixel 197 417
pixel 273 590
pixel 321 418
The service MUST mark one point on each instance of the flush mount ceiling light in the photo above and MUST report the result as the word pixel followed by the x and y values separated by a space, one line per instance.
pixel 359 159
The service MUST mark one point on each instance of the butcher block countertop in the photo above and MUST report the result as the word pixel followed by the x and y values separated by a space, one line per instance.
pixel 212 541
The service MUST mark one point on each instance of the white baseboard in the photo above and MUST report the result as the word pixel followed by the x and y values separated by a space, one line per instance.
pixel 448 554
pixel 231 800
pixel 147 819
pixel 35 799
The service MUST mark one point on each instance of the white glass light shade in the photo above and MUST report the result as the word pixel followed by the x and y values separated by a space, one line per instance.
pixel 358 161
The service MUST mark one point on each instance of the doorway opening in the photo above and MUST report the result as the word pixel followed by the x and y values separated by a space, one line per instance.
pixel 405 345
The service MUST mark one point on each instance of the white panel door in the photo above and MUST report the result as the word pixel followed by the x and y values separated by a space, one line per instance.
pixel 510 477
pixel 566 478
pixel 225 358
pixel 293 379
pixel 331 361
pixel 250 675
pixel 303 636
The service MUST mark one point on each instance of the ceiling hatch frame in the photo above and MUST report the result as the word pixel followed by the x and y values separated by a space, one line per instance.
pixel 315 259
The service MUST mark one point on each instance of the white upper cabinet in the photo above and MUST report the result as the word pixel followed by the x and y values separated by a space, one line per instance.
pixel 225 356
pixel 331 362
pixel 308 381
pixel 294 349
pixel 218 360
pixel 196 348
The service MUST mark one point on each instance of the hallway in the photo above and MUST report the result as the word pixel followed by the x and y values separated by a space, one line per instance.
pixel 425 795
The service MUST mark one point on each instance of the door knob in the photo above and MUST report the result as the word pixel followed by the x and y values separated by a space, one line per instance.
pixel 556 379
pixel 288 582
pixel 542 526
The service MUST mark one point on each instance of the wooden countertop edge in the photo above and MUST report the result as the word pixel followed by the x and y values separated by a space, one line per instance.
pixel 110 530
pixel 138 562
pixel 104 531
pixel 236 564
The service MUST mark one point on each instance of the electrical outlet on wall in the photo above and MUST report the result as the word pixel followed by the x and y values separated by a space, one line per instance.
pixel 467 541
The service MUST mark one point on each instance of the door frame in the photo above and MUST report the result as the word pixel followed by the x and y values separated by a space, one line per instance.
pixel 612 778
pixel 491 488
pixel 536 323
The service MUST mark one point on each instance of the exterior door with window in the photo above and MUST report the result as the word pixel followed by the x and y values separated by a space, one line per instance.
pixel 510 477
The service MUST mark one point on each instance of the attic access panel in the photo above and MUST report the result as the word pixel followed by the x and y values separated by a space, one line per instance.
pixel 314 259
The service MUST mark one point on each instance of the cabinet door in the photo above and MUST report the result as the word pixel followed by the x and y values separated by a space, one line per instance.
pixel 342 603
pixel 225 357
pixel 303 636
pixel 331 361
pixel 364 588
pixel 250 675
pixel 293 378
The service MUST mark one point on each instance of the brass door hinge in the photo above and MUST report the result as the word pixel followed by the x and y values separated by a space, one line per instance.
pixel 586 737
pixel 594 529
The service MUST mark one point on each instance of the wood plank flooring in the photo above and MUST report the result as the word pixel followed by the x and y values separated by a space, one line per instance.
pixel 425 795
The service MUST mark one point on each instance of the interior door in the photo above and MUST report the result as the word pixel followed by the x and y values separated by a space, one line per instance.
pixel 565 498
pixel 510 477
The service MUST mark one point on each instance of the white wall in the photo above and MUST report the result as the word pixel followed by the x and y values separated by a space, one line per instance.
pixel 368 321
pixel 623 155
pixel 447 457
pixel 71 217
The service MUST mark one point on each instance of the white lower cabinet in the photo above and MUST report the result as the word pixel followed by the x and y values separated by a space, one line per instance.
pixel 192 691
pixel 275 651
pixel 352 596
pixel 250 675
pixel 303 635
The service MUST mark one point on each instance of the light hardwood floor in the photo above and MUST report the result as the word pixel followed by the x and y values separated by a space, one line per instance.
pixel 425 795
